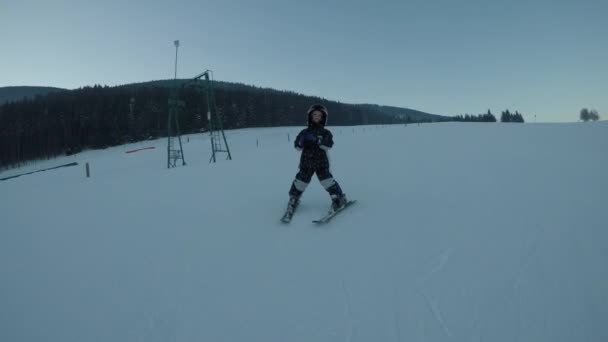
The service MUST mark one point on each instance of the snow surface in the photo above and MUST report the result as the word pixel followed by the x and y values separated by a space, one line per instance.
pixel 462 232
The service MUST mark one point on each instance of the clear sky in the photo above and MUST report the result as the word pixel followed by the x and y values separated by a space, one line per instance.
pixel 543 58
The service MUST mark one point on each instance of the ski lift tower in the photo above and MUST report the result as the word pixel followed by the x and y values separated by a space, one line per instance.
pixel 216 129
pixel 173 153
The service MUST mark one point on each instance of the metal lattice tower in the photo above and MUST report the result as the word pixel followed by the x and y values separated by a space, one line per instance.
pixel 173 153
pixel 216 129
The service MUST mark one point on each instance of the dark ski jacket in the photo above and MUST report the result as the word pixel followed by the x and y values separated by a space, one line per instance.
pixel 314 142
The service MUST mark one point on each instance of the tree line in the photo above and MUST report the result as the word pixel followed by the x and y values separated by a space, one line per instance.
pixel 506 116
pixel 96 117
pixel 589 115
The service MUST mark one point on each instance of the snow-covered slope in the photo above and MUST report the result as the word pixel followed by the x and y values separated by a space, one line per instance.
pixel 462 232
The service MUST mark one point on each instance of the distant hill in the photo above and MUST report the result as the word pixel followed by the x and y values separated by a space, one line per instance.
pixel 399 113
pixel 17 93
pixel 8 94
pixel 403 113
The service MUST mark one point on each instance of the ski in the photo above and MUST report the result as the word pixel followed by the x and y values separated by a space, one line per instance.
pixel 332 214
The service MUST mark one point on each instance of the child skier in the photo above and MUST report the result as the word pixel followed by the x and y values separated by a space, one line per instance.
pixel 314 142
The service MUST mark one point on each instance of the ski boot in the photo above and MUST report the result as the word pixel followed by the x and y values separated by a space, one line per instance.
pixel 338 201
pixel 293 203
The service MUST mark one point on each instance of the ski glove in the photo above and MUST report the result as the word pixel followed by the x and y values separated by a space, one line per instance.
pixel 308 140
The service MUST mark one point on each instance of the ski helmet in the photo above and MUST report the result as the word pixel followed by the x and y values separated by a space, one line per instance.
pixel 321 109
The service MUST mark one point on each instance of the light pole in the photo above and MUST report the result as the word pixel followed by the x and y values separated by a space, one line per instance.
pixel 173 155
pixel 176 43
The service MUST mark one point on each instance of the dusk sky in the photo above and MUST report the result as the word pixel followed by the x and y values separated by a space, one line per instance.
pixel 543 58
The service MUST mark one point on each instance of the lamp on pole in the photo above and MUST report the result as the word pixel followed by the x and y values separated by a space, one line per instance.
pixel 176 43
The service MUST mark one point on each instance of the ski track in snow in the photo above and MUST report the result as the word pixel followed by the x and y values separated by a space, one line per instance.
pixel 440 261
pixel 475 329
pixel 437 314
pixel 348 312
pixel 527 258
pixel 396 315
pixel 437 265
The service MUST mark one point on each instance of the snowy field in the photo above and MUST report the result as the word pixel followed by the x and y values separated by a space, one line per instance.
pixel 462 232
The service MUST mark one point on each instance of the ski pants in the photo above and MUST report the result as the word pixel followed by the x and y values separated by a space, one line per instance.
pixel 305 175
